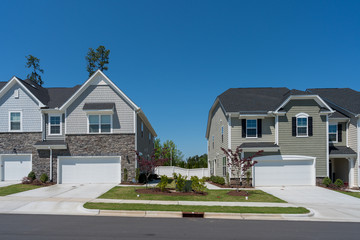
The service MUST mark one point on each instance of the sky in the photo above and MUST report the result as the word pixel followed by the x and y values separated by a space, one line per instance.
pixel 173 58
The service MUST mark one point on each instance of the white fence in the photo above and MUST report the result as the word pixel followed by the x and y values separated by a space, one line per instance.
pixel 169 170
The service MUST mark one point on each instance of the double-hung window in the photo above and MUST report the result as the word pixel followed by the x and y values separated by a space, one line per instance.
pixel 224 166
pixel 15 121
pixel 333 133
pixel 222 134
pixel 302 125
pixel 55 125
pixel 100 123
pixel 251 128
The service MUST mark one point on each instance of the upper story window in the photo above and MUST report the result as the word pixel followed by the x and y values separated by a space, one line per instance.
pixel 251 128
pixel 54 124
pixel 222 134
pixel 15 121
pixel 333 133
pixel 100 123
pixel 213 142
pixel 224 166
pixel 142 129
pixel 302 125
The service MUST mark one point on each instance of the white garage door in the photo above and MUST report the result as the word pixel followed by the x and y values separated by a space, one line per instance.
pixel 284 170
pixel 89 170
pixel 15 167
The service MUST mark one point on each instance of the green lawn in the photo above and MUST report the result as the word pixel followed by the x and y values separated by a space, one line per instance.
pixel 183 208
pixel 213 195
pixel 16 189
pixel 353 194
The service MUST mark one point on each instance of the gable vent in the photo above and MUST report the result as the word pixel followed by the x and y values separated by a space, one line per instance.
pixel 16 93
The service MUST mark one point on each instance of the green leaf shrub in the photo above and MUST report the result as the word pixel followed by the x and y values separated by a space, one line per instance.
pixel 198 185
pixel 327 181
pixel 125 175
pixel 180 182
pixel 339 183
pixel 44 178
pixel 32 176
pixel 163 182
pixel 217 179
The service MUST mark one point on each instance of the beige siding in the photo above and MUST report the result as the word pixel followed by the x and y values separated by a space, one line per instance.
pixel 315 145
pixel 144 145
pixel 218 119
pixel 123 117
pixel 268 132
pixel 353 145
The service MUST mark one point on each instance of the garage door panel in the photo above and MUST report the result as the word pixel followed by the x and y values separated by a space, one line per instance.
pixel 284 172
pixel 15 167
pixel 89 170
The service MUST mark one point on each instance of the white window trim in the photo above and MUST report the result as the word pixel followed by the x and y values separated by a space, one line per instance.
pixel 256 128
pixel 111 124
pixel 55 115
pixel 222 134
pixel 21 120
pixel 302 115
pixel 142 129
pixel 337 130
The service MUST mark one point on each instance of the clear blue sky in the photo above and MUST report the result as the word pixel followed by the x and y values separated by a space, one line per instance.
pixel 172 58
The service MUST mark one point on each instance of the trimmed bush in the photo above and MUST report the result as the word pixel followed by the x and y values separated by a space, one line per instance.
pixel 180 182
pixel 187 187
pixel 198 185
pixel 125 175
pixel 137 175
pixel 44 178
pixel 205 178
pixel 339 183
pixel 217 179
pixel 37 182
pixel 31 176
pixel 163 182
pixel 327 181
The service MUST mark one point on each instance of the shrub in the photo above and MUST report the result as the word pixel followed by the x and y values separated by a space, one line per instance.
pixel 248 175
pixel 339 183
pixel 163 183
pixel 37 182
pixel 142 177
pixel 44 178
pixel 205 178
pixel 198 185
pixel 26 180
pixel 31 176
pixel 327 181
pixel 180 182
pixel 125 175
pixel 137 175
pixel 227 178
pixel 187 187
pixel 217 179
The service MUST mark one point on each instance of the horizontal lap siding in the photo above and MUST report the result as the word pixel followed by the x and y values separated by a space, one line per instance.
pixel 31 116
pixel 123 117
pixel 315 145
pixel 218 120
pixel 353 144
pixel 144 146
pixel 268 132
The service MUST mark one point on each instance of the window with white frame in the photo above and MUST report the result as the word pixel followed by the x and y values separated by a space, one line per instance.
pixel 54 124
pixel 100 123
pixel 142 129
pixel 224 166
pixel 15 121
pixel 222 134
pixel 302 125
pixel 251 128
pixel 213 142
pixel 333 132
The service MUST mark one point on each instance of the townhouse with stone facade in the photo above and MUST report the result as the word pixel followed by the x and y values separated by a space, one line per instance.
pixel 305 135
pixel 83 134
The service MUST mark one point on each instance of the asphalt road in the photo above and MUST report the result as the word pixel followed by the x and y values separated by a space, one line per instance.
pixel 95 227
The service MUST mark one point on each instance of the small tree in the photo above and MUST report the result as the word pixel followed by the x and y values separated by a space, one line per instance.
pixel 238 164
pixel 97 59
pixel 148 165
pixel 34 63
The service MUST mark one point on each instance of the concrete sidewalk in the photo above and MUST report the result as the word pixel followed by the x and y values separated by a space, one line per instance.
pixel 196 203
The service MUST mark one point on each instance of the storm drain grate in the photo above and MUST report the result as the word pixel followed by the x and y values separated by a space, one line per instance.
pixel 193 214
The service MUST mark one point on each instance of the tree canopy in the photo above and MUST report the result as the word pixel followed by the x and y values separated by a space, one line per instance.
pixel 97 59
pixel 34 63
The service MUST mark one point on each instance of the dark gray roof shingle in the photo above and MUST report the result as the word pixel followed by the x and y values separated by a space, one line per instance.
pixel 338 114
pixel 98 106
pixel 58 96
pixel 344 97
pixel 50 143
pixel 258 145
pixel 341 150
pixel 252 99
pixel 2 84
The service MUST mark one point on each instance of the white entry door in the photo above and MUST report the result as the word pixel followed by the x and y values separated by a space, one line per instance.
pixel 15 166
pixel 89 169
pixel 281 170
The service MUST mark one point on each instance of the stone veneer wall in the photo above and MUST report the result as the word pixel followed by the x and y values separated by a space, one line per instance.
pixel 78 145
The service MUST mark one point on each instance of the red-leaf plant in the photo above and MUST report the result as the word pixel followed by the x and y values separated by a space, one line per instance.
pixel 238 164
pixel 148 165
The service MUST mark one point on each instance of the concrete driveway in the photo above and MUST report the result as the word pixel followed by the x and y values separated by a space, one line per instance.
pixel 56 199
pixel 326 204
pixel 8 183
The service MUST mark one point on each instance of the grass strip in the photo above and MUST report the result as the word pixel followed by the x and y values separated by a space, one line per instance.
pixel 213 195
pixel 4 191
pixel 353 194
pixel 185 208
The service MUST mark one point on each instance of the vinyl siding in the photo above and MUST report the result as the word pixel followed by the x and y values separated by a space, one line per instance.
pixel 47 129
pixel 353 144
pixel 31 116
pixel 217 120
pixel 268 132
pixel 315 145
pixel 343 142
pixel 123 117
pixel 144 146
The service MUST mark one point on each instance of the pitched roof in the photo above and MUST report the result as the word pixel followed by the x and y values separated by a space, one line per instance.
pixel 338 114
pixel 346 98
pixel 98 106
pixel 258 145
pixel 341 150
pixel 58 96
pixel 2 84
pixel 252 99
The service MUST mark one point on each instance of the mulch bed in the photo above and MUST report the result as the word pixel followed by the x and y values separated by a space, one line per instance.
pixel 168 192
pixel 227 186
pixel 238 193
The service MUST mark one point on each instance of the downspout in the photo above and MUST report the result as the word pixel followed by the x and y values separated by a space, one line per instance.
pixel 51 164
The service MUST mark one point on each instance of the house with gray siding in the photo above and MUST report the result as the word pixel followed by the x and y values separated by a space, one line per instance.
pixel 304 135
pixel 83 134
